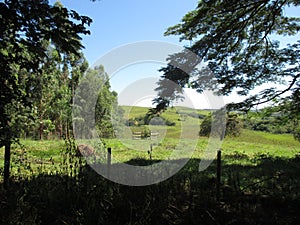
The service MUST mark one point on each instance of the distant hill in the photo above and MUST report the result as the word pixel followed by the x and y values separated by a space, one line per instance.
pixel 171 113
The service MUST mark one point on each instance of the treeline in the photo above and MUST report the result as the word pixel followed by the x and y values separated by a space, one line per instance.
pixel 147 120
pixel 52 91
pixel 273 119
pixel 277 120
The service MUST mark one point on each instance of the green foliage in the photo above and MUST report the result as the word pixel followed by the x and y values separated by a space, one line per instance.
pixel 205 126
pixel 268 124
pixel 149 120
pixel 27 30
pixel 290 109
pixel 146 132
pixel 297 133
pixel 236 40
pixel 51 91
pixel 282 118
pixel 233 125
pixel 95 102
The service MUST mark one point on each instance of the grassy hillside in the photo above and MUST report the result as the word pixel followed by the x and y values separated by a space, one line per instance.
pixel 180 116
pixel 136 111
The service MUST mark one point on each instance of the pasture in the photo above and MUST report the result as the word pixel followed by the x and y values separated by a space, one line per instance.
pixel 259 181
pixel 47 155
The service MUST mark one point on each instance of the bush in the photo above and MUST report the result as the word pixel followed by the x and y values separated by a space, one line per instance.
pixel 205 126
pixel 155 121
pixel 233 125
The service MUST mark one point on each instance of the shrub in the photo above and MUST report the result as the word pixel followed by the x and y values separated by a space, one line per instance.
pixel 205 126
pixel 233 125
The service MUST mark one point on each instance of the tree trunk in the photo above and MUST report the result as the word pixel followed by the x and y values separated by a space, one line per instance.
pixel 41 128
pixel 60 130
pixel 6 163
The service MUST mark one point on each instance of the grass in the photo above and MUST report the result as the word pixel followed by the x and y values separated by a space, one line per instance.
pixel 45 148
pixel 34 157
pixel 47 155
pixel 259 185
pixel 250 143
pixel 255 142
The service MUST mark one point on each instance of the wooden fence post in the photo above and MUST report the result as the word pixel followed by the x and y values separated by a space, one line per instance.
pixel 218 183
pixel 108 161
pixel 150 153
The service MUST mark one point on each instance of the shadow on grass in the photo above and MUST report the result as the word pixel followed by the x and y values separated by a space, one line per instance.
pixel 142 162
pixel 264 192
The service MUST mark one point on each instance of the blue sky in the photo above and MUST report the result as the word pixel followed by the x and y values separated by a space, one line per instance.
pixel 117 23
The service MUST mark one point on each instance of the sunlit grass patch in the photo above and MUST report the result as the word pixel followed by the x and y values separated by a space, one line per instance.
pixel 47 155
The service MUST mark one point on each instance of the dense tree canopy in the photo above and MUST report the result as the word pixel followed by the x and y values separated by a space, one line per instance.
pixel 52 91
pixel 27 29
pixel 237 40
pixel 96 106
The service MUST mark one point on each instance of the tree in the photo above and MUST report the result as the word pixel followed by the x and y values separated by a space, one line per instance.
pixel 233 125
pixel 26 27
pixel 95 106
pixel 235 39
pixel 52 87
pixel 107 108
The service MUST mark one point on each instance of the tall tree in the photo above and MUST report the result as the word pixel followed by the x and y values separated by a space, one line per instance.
pixel 96 106
pixel 67 69
pixel 25 27
pixel 235 39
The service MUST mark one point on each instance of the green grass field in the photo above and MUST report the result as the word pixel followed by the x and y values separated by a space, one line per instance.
pixel 47 155
pixel 259 180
